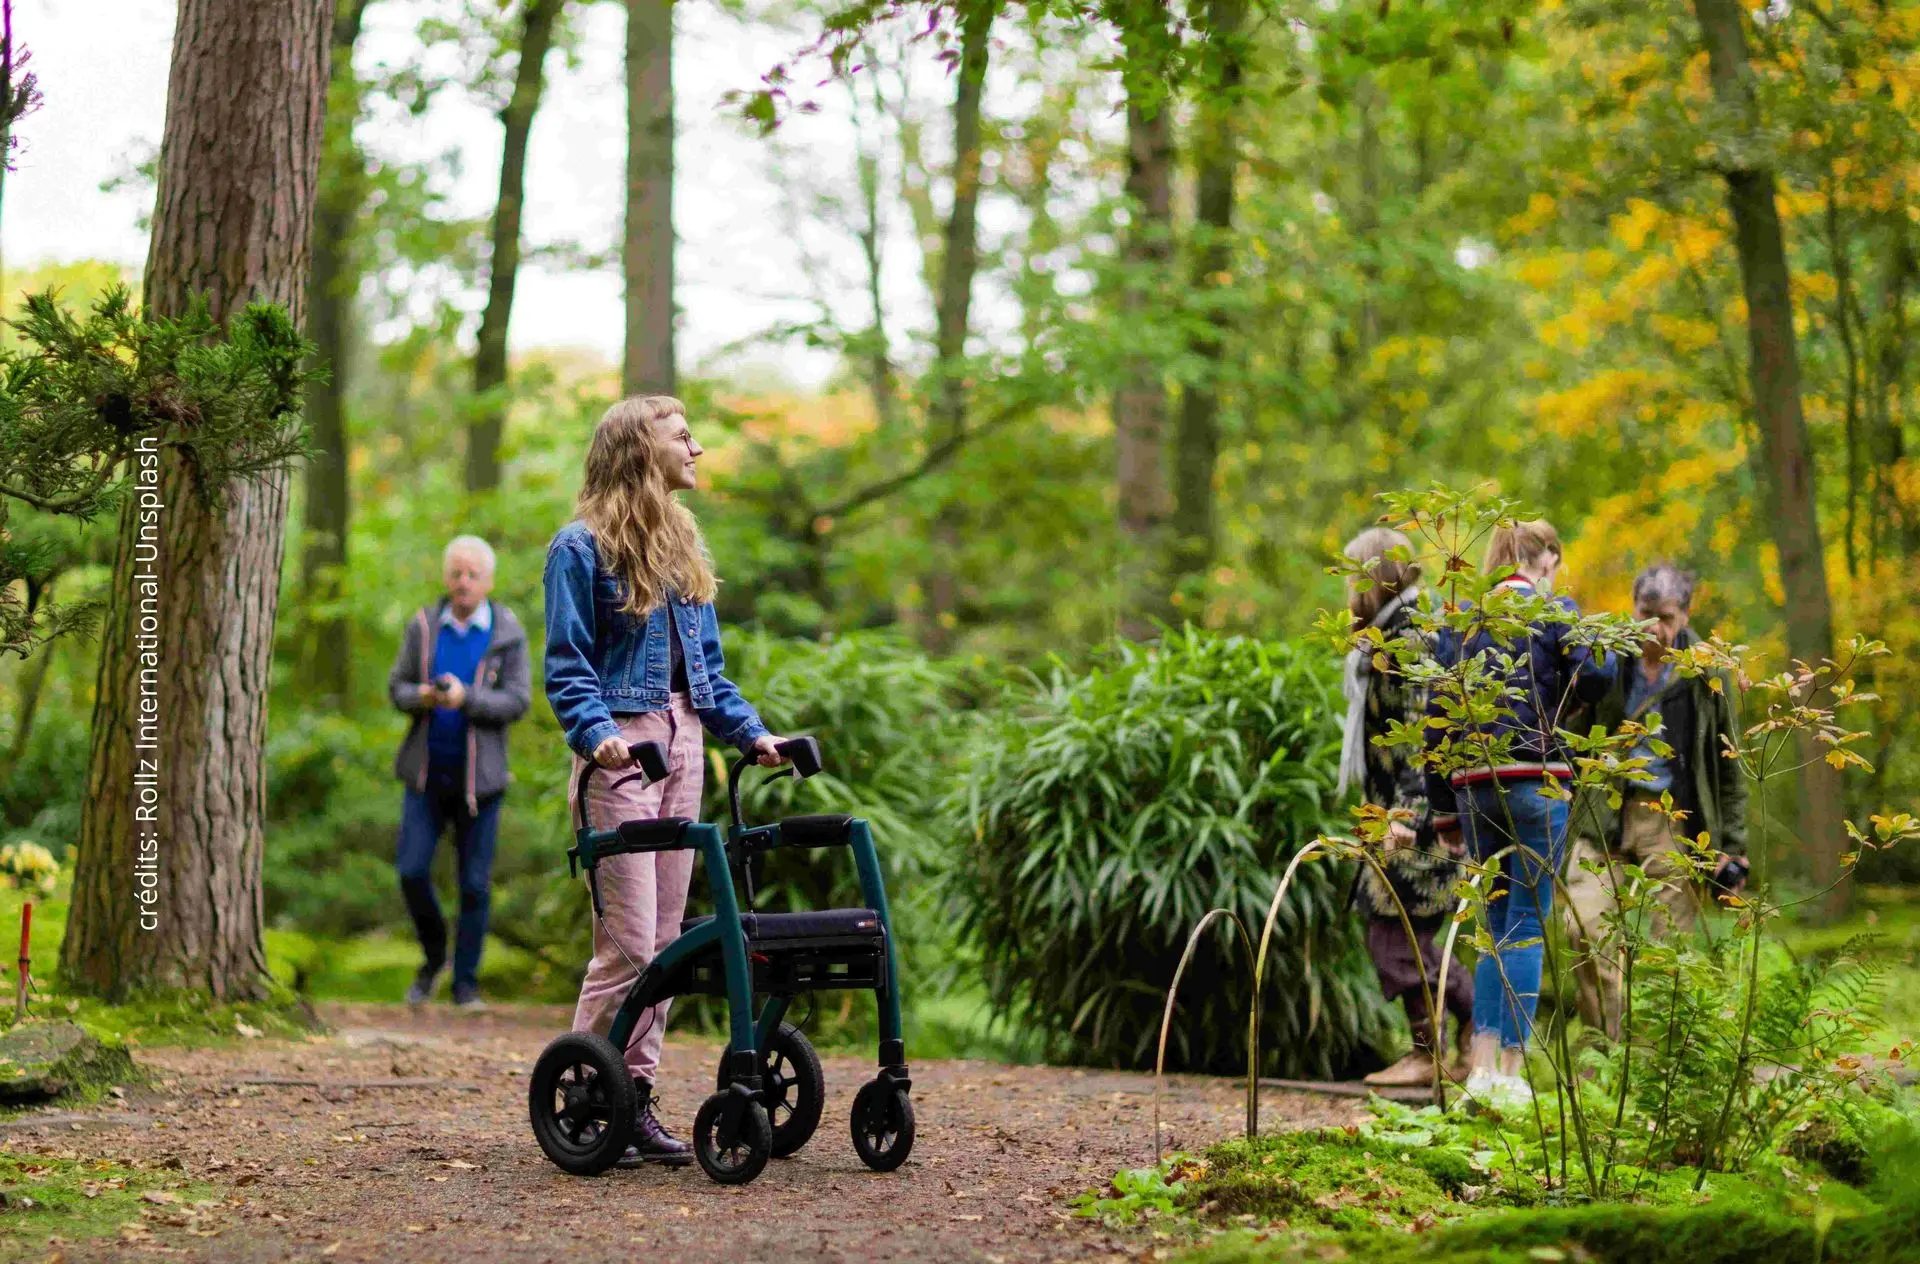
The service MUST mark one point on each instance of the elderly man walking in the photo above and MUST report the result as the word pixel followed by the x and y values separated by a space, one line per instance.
pixel 463 677
pixel 1696 719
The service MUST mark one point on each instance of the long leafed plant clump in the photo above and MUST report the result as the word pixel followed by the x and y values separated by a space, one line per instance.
pixel 1111 810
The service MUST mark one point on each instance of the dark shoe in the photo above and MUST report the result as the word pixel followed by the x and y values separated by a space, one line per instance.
pixel 468 998
pixel 652 1143
pixel 424 985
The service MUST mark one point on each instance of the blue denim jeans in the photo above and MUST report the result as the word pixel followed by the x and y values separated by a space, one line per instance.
pixel 1506 983
pixel 423 818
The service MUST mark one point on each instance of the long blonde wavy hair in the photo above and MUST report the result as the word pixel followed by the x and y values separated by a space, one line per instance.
pixel 648 539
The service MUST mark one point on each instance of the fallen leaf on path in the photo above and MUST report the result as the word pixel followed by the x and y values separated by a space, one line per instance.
pixel 159 1196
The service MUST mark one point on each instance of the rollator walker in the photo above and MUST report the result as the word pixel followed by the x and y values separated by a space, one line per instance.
pixel 769 1090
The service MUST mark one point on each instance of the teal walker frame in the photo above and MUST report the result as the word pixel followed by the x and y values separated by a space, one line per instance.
pixel 769 1090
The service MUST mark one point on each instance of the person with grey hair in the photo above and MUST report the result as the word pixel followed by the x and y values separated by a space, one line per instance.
pixel 1695 719
pixel 461 678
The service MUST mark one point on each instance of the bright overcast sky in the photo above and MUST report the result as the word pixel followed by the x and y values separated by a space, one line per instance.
pixel 102 66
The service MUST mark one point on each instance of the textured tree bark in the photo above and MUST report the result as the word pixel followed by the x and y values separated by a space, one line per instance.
pixel 1197 436
pixel 503 264
pixel 959 260
pixel 175 778
pixel 648 367
pixel 325 666
pixel 1773 372
pixel 1140 424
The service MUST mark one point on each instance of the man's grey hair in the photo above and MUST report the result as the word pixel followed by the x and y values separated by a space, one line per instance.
pixel 1663 581
pixel 473 546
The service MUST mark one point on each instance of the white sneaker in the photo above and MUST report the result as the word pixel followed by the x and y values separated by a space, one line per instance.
pixel 1511 1093
pixel 1504 1093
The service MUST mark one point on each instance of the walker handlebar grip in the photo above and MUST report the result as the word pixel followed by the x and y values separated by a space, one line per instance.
pixel 649 757
pixel 803 760
pixel 803 753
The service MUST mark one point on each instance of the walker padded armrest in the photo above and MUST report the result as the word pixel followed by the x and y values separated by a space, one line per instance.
pixel 658 834
pixel 829 829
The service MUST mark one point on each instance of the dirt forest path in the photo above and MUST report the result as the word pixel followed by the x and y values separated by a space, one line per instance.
pixel 324 1166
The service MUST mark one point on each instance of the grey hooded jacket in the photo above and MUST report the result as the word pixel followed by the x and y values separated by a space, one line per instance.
pixel 501 691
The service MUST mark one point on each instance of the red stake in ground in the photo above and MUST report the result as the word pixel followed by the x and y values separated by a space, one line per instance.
pixel 26 936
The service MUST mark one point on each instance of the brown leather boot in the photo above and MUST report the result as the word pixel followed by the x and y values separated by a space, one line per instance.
pixel 1412 1071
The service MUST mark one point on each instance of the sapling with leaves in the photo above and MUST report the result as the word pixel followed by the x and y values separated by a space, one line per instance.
pixel 80 393
pixel 1724 1047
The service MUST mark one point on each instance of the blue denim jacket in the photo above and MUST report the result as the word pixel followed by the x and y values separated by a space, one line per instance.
pixel 602 662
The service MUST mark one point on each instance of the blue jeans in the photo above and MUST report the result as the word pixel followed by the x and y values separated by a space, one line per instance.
pixel 423 818
pixel 1506 983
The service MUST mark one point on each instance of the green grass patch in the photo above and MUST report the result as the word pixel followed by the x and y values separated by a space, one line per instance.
pixel 60 1196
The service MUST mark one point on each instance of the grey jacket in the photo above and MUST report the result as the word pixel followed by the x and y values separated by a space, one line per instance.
pixel 501 691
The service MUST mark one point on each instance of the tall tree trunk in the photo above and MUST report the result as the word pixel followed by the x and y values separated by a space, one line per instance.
pixel 1773 371
pixel 878 356
pixel 1141 483
pixel 959 260
pixel 1888 515
pixel 1197 437
pixel 175 776
pixel 33 679
pixel 648 251
pixel 326 665
pixel 503 263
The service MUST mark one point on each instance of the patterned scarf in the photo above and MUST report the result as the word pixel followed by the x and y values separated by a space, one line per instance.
pixel 1353 683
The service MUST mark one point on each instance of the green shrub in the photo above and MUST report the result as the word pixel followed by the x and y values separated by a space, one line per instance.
pixel 886 717
pixel 1107 812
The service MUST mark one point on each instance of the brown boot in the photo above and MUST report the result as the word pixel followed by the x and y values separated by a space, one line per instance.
pixel 1411 1071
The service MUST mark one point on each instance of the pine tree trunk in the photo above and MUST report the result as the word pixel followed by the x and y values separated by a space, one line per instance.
pixel 503 263
pixel 959 261
pixel 1141 483
pixel 177 802
pixel 1773 371
pixel 648 254
pixel 1197 437
pixel 326 666
pixel 32 681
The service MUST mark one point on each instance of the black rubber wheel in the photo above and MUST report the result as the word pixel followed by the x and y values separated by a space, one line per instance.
pixel 737 1159
pixel 792 1086
pixel 882 1125
pixel 582 1103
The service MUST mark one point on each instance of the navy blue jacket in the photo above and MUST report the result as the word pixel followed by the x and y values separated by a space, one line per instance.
pixel 1551 675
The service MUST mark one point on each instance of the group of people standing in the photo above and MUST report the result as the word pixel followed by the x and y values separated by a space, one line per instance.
pixel 1510 813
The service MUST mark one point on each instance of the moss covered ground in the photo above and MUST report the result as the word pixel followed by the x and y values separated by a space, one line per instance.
pixel 50 1197
pixel 1412 1188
